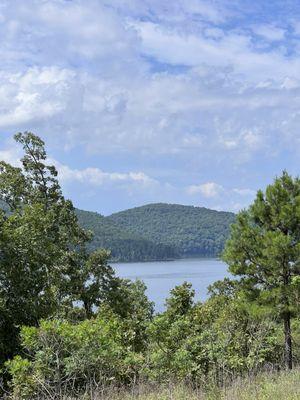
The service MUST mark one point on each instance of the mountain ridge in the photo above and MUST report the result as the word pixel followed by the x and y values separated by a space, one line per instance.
pixel 157 231
pixel 161 231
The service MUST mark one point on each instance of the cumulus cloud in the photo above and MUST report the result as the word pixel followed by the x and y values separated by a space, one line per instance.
pixel 97 90
pixel 36 95
pixel 168 88
pixel 234 198
pixel 63 32
pixel 162 113
pixel 97 177
pixel 208 189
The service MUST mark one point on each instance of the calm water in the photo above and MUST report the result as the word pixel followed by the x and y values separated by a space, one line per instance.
pixel 160 277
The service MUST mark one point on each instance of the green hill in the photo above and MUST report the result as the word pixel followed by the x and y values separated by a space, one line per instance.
pixel 158 231
pixel 192 231
pixel 124 244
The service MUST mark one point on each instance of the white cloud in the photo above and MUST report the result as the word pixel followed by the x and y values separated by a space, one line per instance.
pixel 96 177
pixel 104 96
pixel 290 83
pixel 208 189
pixel 176 88
pixel 214 33
pixel 232 199
pixel 160 113
pixel 10 156
pixel 63 32
pixel 233 49
pixel 36 95
pixel 269 32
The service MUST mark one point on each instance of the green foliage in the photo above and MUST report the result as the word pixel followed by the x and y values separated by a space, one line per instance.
pixel 23 382
pixel 65 357
pixel 192 231
pixel 181 300
pixel 168 356
pixel 37 236
pixel 133 306
pixel 61 356
pixel 264 249
pixel 208 341
pixel 123 244
pixel 159 231
pixel 93 282
pixel 190 342
pixel 152 232
pixel 44 266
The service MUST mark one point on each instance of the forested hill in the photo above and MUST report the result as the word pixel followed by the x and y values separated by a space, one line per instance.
pixel 124 244
pixel 159 231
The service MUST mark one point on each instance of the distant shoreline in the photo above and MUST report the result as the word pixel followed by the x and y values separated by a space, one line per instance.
pixel 168 260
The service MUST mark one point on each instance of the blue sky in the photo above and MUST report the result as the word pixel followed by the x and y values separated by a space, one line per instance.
pixel 185 101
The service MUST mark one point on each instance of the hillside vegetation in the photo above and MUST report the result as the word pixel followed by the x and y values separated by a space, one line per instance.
pixel 159 232
pixel 123 244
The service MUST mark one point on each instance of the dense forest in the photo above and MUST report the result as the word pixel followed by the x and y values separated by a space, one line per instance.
pixel 159 232
pixel 191 230
pixel 156 232
pixel 124 244
pixel 71 329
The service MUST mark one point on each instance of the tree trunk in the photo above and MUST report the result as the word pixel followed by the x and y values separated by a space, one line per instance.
pixel 88 309
pixel 288 341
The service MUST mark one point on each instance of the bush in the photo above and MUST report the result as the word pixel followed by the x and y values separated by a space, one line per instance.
pixel 62 357
pixel 211 341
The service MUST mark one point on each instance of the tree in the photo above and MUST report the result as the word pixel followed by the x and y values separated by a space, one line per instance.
pixel 264 250
pixel 44 265
pixel 181 299
pixel 92 280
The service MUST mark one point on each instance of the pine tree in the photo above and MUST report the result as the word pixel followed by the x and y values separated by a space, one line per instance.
pixel 264 251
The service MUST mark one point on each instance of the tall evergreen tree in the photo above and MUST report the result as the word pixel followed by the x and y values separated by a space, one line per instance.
pixel 264 250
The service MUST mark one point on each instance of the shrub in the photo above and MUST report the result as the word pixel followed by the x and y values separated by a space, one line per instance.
pixel 62 357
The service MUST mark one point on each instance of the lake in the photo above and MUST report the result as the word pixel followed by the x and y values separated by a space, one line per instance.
pixel 161 276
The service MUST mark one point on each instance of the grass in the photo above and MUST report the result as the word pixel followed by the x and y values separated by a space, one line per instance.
pixel 267 386
pixel 280 386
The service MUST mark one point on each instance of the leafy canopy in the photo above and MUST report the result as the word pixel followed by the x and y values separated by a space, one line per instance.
pixel 45 268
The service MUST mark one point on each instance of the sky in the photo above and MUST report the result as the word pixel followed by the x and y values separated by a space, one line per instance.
pixel 141 101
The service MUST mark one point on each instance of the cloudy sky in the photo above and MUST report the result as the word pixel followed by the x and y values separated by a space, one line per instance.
pixel 183 101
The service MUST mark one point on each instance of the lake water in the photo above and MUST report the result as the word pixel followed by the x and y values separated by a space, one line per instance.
pixel 160 277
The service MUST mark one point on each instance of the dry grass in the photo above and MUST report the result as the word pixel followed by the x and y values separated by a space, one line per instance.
pixel 283 386
pixel 267 386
